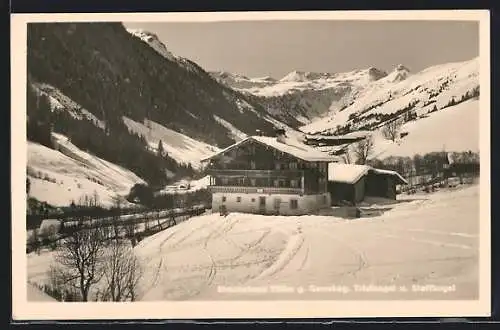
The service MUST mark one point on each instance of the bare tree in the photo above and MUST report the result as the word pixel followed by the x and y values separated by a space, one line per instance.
pixel 122 272
pixel 116 216
pixel 80 259
pixel 347 155
pixel 362 150
pixel 391 130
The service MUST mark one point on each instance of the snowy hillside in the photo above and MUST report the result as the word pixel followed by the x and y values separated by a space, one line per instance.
pixel 178 146
pixel 399 92
pixel 61 102
pixel 453 129
pixel 430 240
pixel 60 176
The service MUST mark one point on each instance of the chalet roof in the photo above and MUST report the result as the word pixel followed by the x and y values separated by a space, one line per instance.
pixel 348 136
pixel 349 173
pixel 288 145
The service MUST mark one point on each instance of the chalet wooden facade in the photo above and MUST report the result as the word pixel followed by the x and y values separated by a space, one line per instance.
pixel 269 175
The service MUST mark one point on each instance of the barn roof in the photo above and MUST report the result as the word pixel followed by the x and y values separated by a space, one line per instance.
pixel 289 146
pixel 350 173
pixel 346 173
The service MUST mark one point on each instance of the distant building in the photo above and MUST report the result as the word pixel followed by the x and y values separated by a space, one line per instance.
pixel 270 175
pixel 352 183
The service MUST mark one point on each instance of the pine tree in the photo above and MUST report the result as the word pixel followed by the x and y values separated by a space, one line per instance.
pixel 28 186
pixel 160 149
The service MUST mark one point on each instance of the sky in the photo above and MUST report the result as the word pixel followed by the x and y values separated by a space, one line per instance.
pixel 275 48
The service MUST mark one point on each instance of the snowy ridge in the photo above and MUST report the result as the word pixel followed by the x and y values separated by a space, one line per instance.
pixel 241 82
pixel 303 95
pixel 178 146
pixel 66 173
pixel 300 81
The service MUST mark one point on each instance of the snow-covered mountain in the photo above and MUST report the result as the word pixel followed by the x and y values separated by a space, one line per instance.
pixel 120 94
pixel 154 42
pixel 299 96
pixel 320 102
pixel 152 39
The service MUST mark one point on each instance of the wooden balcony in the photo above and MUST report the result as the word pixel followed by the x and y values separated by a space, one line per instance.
pixel 255 190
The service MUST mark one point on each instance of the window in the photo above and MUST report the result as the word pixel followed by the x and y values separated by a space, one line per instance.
pixel 252 165
pixel 252 182
pixel 225 181
pixel 238 199
pixel 293 166
pixel 223 199
pixel 294 204
pixel 294 183
pixel 277 203
pixel 276 183
pixel 277 166
pixel 241 181
pixel 253 200
pixel 322 167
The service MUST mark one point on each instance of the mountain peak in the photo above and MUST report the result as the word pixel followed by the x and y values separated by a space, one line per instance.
pixel 376 74
pixel 152 39
pixel 399 73
pixel 401 67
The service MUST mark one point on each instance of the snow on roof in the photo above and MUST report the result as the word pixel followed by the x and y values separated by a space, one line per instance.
pixel 349 173
pixel 289 146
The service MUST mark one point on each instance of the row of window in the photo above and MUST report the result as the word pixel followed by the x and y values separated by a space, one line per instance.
pixel 278 183
pixel 294 204
pixel 290 166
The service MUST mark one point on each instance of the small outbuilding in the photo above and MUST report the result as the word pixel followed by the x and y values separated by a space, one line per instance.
pixel 348 183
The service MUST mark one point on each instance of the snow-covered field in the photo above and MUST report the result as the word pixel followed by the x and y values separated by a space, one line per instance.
pixel 60 176
pixel 178 146
pixel 426 242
